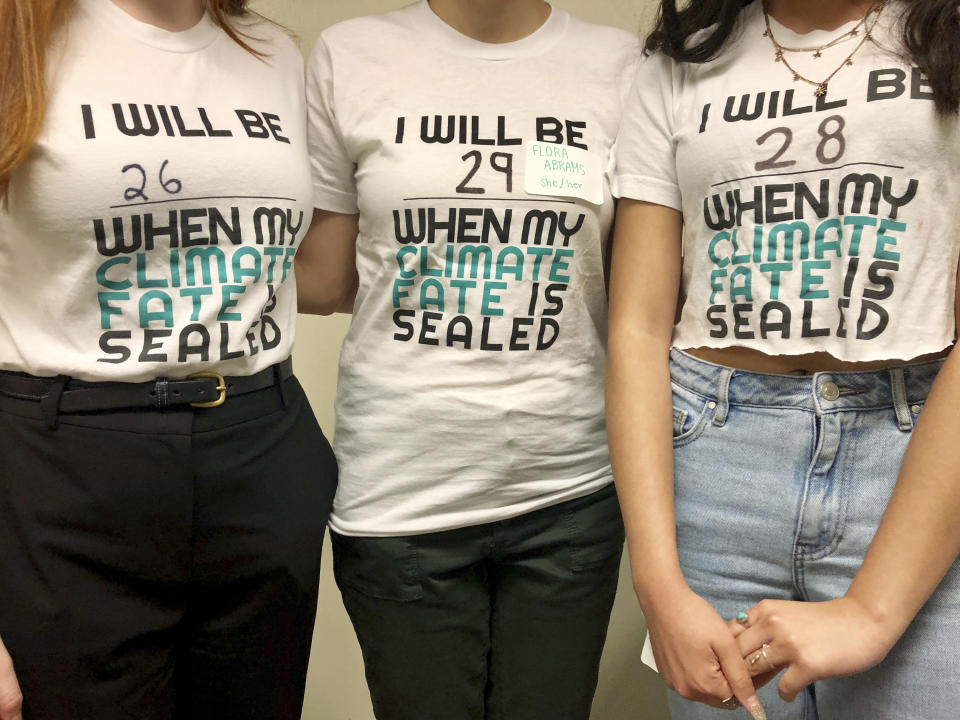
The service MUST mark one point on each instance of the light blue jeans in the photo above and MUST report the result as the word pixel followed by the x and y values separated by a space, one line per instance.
pixel 780 485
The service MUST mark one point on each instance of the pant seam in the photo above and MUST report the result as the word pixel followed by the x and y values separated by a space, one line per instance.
pixel 798 551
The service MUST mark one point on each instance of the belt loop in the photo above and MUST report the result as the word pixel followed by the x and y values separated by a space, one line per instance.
pixel 161 393
pixel 279 380
pixel 898 388
pixel 50 402
pixel 723 397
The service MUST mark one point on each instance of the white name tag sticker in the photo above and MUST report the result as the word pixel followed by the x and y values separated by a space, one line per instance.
pixel 562 170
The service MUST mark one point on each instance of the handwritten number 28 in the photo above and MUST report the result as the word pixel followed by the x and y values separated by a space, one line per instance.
pixel 831 139
pixel 171 185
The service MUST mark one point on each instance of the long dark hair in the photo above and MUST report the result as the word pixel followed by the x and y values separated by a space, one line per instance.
pixel 931 38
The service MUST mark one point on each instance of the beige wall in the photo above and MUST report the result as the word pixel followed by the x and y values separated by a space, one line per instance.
pixel 336 689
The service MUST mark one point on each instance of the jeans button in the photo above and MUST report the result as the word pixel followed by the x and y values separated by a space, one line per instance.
pixel 829 391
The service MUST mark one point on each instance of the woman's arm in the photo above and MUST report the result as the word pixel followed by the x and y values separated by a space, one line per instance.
pixel 326 264
pixel 695 651
pixel 10 698
pixel 917 542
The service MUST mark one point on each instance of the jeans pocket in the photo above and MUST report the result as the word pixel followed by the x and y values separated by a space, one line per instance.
pixel 594 530
pixel 386 568
pixel 690 414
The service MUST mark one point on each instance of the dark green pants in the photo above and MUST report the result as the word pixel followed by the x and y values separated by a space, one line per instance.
pixel 503 621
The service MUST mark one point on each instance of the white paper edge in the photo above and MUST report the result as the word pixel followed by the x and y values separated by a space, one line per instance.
pixel 646 655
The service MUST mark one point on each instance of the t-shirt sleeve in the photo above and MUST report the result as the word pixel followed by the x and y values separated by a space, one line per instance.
pixel 626 71
pixel 645 166
pixel 333 170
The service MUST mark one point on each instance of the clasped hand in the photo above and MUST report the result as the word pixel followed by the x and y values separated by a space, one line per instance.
pixel 809 641
pixel 704 658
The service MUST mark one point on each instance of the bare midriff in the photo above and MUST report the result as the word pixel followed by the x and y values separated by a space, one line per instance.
pixel 807 364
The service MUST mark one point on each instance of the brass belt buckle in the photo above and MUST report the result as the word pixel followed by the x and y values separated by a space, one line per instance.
pixel 221 388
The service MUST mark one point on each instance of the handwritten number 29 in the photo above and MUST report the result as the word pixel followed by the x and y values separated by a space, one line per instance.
pixel 500 161
pixel 171 185
pixel 831 148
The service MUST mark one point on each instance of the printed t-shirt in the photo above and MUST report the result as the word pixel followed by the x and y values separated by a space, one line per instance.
pixel 811 223
pixel 151 231
pixel 471 379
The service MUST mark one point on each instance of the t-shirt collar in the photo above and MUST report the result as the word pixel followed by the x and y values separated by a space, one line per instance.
pixel 196 38
pixel 436 30
pixel 786 36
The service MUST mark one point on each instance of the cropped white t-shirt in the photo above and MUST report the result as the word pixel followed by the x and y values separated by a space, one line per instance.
pixel 811 223
pixel 152 229
pixel 471 379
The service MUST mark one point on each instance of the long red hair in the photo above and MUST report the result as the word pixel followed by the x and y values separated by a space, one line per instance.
pixel 26 28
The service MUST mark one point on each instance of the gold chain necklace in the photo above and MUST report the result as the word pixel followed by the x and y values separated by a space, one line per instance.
pixel 820 87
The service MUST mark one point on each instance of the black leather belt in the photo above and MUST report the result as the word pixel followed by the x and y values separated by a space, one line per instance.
pixel 202 389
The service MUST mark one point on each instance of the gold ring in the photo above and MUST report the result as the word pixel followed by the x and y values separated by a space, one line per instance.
pixel 756 655
pixel 763 654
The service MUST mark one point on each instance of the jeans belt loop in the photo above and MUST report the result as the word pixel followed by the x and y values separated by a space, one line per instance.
pixel 723 397
pixel 898 388
pixel 50 403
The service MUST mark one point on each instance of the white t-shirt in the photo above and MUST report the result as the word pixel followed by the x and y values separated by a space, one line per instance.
pixel 810 223
pixel 471 380
pixel 151 231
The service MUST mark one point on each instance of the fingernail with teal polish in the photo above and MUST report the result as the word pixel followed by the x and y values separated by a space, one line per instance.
pixel 741 617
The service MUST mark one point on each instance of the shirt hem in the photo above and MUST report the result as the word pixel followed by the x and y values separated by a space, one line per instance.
pixel 496 515
pixel 335 201
pixel 647 190
pixel 687 344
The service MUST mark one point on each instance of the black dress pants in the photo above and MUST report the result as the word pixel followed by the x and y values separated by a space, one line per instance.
pixel 163 565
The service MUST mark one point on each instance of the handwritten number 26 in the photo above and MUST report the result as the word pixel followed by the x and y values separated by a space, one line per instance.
pixel 172 185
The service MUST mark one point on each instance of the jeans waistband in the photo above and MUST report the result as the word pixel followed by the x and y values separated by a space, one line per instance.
pixel 898 388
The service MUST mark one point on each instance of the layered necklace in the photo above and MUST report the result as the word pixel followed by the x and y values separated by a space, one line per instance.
pixel 865 26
